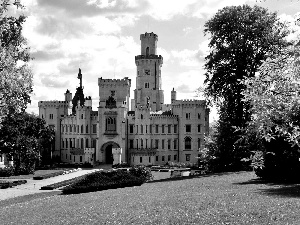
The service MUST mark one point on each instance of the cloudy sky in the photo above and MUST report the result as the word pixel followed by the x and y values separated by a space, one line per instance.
pixel 102 38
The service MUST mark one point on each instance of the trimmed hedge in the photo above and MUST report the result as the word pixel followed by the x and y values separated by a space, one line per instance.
pixel 45 176
pixel 9 184
pixel 101 180
pixel 7 171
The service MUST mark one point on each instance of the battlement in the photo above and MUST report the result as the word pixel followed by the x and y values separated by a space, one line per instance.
pixel 189 101
pixel 162 115
pixel 138 57
pixel 119 82
pixel 54 103
pixel 147 35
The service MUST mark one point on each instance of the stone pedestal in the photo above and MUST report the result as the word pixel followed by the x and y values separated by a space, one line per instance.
pixel 117 155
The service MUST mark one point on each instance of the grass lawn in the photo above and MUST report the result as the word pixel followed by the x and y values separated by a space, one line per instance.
pixel 230 198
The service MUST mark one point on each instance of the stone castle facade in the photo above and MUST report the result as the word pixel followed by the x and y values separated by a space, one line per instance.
pixel 150 133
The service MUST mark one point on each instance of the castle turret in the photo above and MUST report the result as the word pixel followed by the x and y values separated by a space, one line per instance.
pixel 148 82
pixel 173 96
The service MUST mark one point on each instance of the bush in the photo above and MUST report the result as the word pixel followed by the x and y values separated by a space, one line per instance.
pixel 101 180
pixel 6 171
pixel 121 165
pixel 45 176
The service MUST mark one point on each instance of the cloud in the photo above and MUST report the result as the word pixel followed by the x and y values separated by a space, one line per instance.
pixel 184 88
pixel 186 57
pixel 54 81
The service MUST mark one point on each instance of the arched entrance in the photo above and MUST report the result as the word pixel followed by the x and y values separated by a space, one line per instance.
pixel 107 150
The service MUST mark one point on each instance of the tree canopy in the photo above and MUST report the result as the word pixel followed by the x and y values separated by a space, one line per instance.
pixel 15 74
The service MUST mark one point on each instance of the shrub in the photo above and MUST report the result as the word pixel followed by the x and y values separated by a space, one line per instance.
pixel 6 171
pixel 121 165
pixel 142 172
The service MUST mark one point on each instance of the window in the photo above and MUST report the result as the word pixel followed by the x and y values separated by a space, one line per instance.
pixel 78 129
pixel 138 72
pixel 156 143
pixel 199 128
pixel 87 129
pixel 74 158
pixel 80 158
pixel 146 129
pixel 141 129
pixel 188 116
pixel 137 128
pixel 175 143
pixel 66 128
pixel 130 143
pixel 70 157
pixel 149 159
pixel 131 128
pixel 146 85
pixel 82 129
pixel 94 128
pixel 187 157
pixel 188 128
pixel 199 143
pixel 71 143
pixel 74 128
pixel 66 143
pixel 110 124
pixel 175 129
pixel 163 158
pixel 163 129
pixel 147 51
pixel 62 143
pixel 169 157
pixel 137 143
pixel 169 143
pixel 81 143
pixel 199 116
pixel 151 129
pixel 51 116
pixel 142 143
pixel 62 128
pixel 81 116
pixel 162 143
pixel 141 159
pixel 156 158
pixel 187 143
pixel 175 157
pixel 169 129
pixel 86 143
pixel 142 117
pixel 94 143
pixel 156 129
pixel 70 128
pixel 66 156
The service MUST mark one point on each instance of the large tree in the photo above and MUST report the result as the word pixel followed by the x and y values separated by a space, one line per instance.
pixel 23 138
pixel 241 37
pixel 15 75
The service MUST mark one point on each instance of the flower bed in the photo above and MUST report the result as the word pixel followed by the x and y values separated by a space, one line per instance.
pixel 98 181
pixel 45 176
pixel 8 184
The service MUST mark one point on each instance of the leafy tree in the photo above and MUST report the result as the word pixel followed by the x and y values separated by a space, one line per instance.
pixel 15 75
pixel 22 136
pixel 275 121
pixel 241 37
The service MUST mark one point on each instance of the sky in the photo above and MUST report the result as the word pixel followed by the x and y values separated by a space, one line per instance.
pixel 102 37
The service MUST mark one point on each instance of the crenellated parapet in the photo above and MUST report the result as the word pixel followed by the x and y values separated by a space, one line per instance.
pixel 54 104
pixel 114 82
pixel 187 103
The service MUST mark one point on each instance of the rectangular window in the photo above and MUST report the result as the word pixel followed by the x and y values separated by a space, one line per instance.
pixel 169 129
pixel 141 129
pixel 74 128
pixel 130 143
pixel 187 157
pixel 169 143
pixel 199 116
pixel 70 157
pixel 163 158
pixel 162 143
pixel 141 159
pixel 175 157
pixel 199 128
pixel 51 116
pixel 131 128
pixel 80 159
pixel 156 129
pixel 162 128
pixel 66 156
pixel 175 129
pixel 199 143
pixel 146 85
pixel 169 157
pixel 156 143
pixel 151 129
pixel 188 128
pixel 137 143
pixel 137 128
pixel 175 143
pixel 94 141
pixel 74 158
pixel 149 159
pixel 156 158
pixel 94 128
pixel 188 116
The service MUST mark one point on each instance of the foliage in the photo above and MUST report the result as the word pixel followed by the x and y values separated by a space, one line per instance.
pixel 106 180
pixel 6 171
pixel 15 75
pixel 274 96
pixel 240 38
pixel 121 165
pixel 19 139
pixel 141 172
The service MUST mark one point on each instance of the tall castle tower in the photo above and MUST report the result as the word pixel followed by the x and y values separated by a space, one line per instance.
pixel 148 82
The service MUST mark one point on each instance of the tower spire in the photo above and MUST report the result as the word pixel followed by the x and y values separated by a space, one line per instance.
pixel 80 77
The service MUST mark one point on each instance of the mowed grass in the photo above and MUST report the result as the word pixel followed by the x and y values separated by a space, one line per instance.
pixel 229 198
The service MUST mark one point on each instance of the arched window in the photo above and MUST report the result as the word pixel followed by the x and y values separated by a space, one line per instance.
pixel 81 116
pixel 187 143
pixel 70 128
pixel 142 117
pixel 110 124
pixel 87 129
pixel 86 143
pixel 82 129
pixel 81 143
pixel 147 51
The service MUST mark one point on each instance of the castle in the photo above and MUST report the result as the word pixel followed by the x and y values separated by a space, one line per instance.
pixel 150 133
